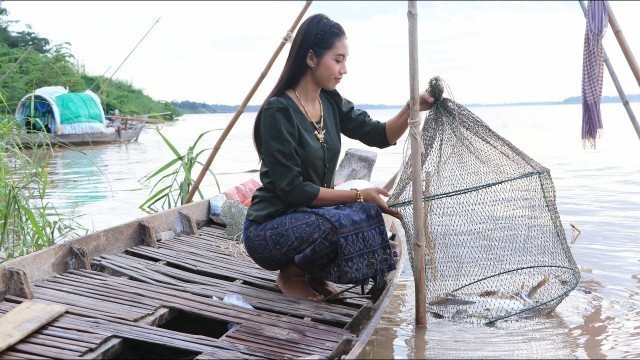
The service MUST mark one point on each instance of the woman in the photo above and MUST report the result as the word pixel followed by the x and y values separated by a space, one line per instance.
pixel 297 223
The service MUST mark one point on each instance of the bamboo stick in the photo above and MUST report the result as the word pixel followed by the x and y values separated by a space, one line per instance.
pixel 416 168
pixel 613 22
pixel 616 82
pixel 131 118
pixel 15 64
pixel 125 59
pixel 240 110
pixel 98 78
pixel 623 97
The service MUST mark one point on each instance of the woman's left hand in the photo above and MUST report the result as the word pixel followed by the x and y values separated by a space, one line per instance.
pixel 426 101
pixel 374 195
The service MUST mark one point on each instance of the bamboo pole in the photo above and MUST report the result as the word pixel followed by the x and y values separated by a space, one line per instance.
pixel 419 272
pixel 623 43
pixel 616 82
pixel 125 59
pixel 98 78
pixel 133 118
pixel 15 63
pixel 240 110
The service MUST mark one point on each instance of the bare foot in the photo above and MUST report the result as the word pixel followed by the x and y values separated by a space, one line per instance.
pixel 292 282
pixel 325 288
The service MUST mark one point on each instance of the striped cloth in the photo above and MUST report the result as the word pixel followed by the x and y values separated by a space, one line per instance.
pixel 592 71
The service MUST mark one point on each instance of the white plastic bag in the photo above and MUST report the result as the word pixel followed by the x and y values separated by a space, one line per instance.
pixel 235 299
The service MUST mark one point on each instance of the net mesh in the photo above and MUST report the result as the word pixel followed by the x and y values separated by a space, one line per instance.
pixel 494 245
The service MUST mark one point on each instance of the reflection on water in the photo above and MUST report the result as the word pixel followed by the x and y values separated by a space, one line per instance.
pixel 78 174
pixel 596 190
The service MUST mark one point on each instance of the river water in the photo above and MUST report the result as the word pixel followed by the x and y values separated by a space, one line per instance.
pixel 598 191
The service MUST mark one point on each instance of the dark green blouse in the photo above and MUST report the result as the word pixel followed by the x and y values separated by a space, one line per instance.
pixel 294 163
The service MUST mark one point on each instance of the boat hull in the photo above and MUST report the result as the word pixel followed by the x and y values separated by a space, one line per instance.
pixel 120 135
pixel 190 260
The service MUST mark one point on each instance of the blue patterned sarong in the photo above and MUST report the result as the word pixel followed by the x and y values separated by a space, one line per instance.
pixel 344 244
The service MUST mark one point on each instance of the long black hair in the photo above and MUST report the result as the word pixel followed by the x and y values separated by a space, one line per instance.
pixel 317 33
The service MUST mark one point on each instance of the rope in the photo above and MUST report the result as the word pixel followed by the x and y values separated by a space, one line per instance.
pixel 288 38
pixel 414 132
pixel 470 189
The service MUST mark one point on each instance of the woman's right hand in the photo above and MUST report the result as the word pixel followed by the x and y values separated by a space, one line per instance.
pixel 374 195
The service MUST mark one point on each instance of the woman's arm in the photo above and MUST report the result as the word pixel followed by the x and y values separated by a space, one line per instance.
pixel 331 197
pixel 394 128
pixel 397 125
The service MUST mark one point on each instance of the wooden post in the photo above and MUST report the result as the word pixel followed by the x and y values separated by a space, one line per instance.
pixel 623 43
pixel 188 223
pixel 147 235
pixel 18 283
pixel 416 169
pixel 236 116
pixel 616 82
pixel 79 258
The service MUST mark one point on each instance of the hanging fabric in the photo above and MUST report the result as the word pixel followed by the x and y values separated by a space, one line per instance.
pixel 592 71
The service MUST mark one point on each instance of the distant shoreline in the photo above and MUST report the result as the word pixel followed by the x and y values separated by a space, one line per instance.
pixel 190 107
pixel 571 100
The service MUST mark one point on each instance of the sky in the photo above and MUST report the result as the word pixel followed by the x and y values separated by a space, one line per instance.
pixel 214 51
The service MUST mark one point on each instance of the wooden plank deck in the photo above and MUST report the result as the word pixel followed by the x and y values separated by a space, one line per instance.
pixel 130 298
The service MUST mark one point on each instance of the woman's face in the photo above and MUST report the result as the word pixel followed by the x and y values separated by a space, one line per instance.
pixel 328 71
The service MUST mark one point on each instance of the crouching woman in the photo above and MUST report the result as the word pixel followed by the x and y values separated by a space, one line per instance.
pixel 297 223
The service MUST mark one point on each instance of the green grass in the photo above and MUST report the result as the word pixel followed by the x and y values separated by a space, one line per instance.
pixel 173 180
pixel 28 222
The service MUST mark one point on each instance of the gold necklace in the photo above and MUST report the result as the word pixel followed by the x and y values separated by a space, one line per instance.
pixel 319 128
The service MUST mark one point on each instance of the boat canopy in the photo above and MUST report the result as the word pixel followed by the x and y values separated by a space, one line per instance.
pixel 55 110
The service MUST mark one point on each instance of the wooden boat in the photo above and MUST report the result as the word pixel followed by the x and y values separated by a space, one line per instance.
pixel 116 133
pixel 151 288
pixel 54 116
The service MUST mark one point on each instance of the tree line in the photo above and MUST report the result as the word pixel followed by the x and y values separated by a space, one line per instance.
pixel 191 107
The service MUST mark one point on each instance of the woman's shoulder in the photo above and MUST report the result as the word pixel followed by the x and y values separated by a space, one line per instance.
pixel 278 108
pixel 333 95
pixel 341 103
pixel 277 102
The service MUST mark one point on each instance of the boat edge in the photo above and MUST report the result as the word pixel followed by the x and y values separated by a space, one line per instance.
pixel 380 307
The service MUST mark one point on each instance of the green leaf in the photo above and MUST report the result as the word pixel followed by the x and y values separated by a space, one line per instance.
pixel 169 144
pixel 158 194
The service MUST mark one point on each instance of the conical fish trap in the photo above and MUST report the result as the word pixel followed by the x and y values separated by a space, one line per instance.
pixel 495 247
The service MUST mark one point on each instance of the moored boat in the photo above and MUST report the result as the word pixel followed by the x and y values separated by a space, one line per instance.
pixel 54 116
pixel 114 133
